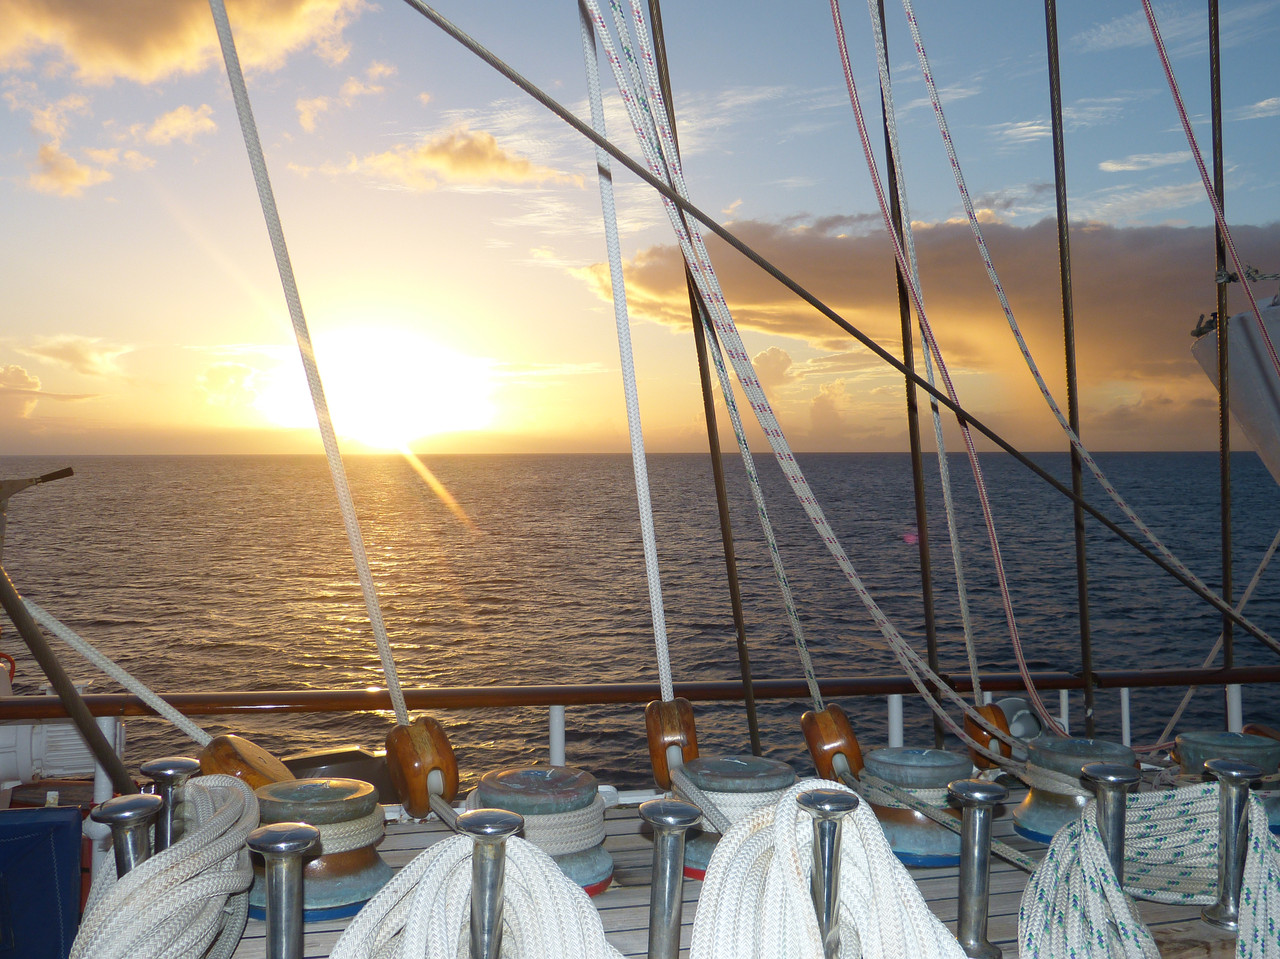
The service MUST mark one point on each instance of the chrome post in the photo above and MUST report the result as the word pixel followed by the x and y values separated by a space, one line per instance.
pixel 282 846
pixel 489 830
pixel 977 798
pixel 1111 781
pixel 1233 777
pixel 670 819
pixel 130 819
pixel 828 807
pixel 169 773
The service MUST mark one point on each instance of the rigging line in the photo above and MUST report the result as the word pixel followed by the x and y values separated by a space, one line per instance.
pixel 638 462
pixel 908 240
pixel 1186 578
pixel 643 119
pixel 1218 215
pixel 1006 598
pixel 1173 565
pixel 271 214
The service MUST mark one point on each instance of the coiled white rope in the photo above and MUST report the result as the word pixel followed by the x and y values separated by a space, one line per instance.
pixel 756 902
pixel 722 809
pixel 275 230
pixel 1073 905
pixel 561 833
pixel 351 834
pixel 424 911
pixel 189 900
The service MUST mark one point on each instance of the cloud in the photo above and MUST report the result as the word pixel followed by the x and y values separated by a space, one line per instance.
pixel 1184 28
pixel 773 367
pixel 89 355
pixel 20 391
pixel 230 384
pixel 1144 161
pixel 145 41
pixel 60 173
pixel 310 109
pixel 1021 131
pixel 1269 107
pixel 182 123
pixel 460 155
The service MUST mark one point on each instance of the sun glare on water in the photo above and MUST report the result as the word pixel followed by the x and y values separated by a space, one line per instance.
pixel 385 389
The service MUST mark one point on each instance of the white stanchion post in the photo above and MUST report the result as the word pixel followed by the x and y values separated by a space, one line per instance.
pixel 1064 711
pixel 556 735
pixel 1126 734
pixel 1235 709
pixel 100 833
pixel 895 719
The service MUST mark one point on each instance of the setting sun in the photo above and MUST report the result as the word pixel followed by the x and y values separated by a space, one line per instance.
pixel 385 388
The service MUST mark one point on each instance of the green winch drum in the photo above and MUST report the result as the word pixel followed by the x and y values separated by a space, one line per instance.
pixel 547 791
pixel 914 838
pixel 728 774
pixel 1057 794
pixel 1194 748
pixel 334 885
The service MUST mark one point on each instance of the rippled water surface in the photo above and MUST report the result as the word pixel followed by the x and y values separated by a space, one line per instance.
pixel 228 573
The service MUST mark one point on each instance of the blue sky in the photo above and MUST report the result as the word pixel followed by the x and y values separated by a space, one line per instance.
pixel 432 208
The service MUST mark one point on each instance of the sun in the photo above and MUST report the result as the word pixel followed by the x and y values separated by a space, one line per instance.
pixel 385 388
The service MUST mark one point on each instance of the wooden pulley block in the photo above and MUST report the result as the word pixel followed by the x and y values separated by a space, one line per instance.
pixel 669 724
pixel 237 756
pixel 828 735
pixel 995 716
pixel 416 752
pixel 1258 729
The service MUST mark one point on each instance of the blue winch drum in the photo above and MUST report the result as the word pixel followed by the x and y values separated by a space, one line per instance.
pixel 1047 806
pixel 914 839
pixel 546 791
pixel 729 774
pixel 1195 747
pixel 335 885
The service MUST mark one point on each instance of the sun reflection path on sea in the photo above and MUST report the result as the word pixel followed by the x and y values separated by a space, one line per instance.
pixel 438 487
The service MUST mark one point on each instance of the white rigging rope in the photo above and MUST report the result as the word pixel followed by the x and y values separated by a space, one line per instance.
pixel 275 230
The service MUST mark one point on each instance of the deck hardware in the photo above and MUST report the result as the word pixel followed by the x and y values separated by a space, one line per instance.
pixel 423 768
pixel 282 845
pixel 832 744
pixel 673 737
pixel 489 830
pixel 828 807
pixel 1112 781
pixel 169 773
pixel 1233 777
pixel 130 818
pixel 977 797
pixel 993 714
pixel 670 819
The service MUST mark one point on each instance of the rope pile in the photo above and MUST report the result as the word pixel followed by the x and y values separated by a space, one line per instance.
pixel 191 900
pixel 722 809
pixel 1074 906
pixel 424 911
pixel 560 833
pixel 755 899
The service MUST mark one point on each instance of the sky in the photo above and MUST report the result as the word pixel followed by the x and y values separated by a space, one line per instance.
pixel 446 230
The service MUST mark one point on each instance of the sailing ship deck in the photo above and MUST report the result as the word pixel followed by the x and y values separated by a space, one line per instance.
pixel 624 907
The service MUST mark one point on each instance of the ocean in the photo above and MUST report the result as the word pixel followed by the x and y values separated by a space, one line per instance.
pixel 218 573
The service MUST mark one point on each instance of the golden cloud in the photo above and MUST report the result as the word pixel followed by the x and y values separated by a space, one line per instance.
pixel 148 40
pixel 182 123
pixel 82 354
pixel 460 155
pixel 60 173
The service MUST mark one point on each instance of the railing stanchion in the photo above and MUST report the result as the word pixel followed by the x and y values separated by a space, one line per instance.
pixel 828 807
pixel 555 735
pixel 977 798
pixel 1233 778
pixel 169 773
pixel 282 846
pixel 895 719
pixel 130 818
pixel 1112 781
pixel 489 830
pixel 670 819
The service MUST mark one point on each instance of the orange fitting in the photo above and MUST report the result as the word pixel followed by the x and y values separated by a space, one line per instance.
pixel 669 724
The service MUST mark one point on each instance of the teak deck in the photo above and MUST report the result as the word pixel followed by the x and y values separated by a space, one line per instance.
pixel 624 907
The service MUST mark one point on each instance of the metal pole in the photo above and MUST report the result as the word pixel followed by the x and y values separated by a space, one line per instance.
pixel 169 773
pixel 555 735
pixel 282 846
pixel 978 798
pixel 102 752
pixel 1224 373
pixel 489 830
pixel 1069 349
pixel 913 408
pixel 670 819
pixel 1233 777
pixel 828 807
pixel 130 818
pixel 697 311
pixel 1112 781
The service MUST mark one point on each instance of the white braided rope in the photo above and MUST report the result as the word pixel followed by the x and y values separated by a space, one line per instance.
pixel 336 837
pixel 189 900
pixel 628 365
pixel 424 911
pixel 904 797
pixel 118 673
pixel 275 230
pixel 561 833
pixel 755 900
